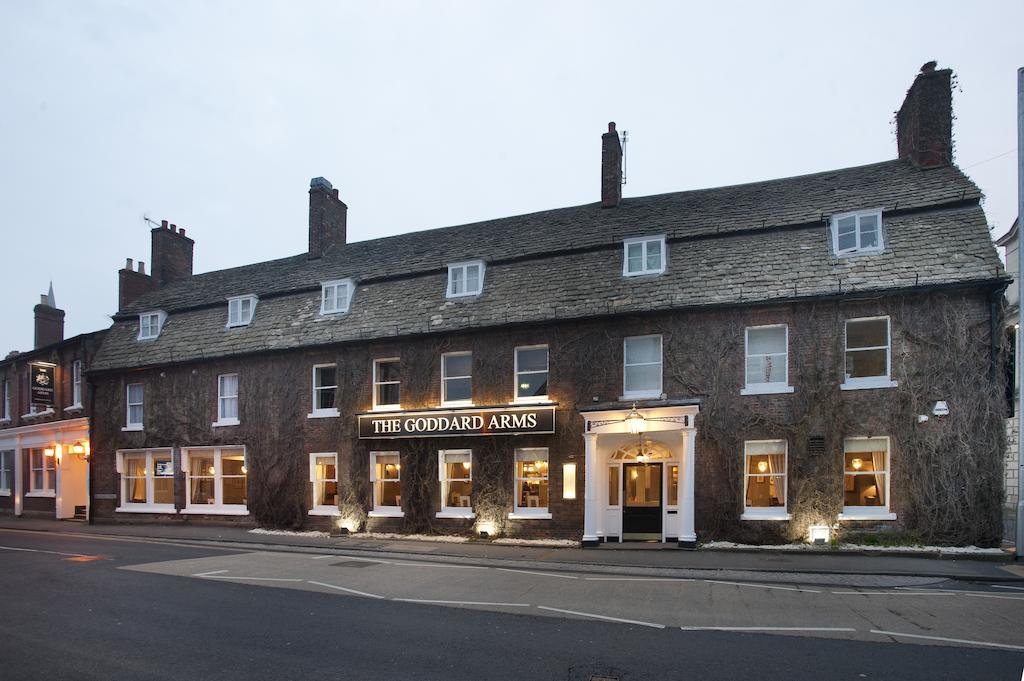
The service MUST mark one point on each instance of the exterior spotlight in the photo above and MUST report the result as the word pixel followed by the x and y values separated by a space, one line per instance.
pixel 818 534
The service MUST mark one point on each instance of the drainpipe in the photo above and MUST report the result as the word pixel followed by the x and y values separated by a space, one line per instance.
pixel 1019 550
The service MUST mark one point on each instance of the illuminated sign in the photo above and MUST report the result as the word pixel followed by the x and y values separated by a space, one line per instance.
pixel 42 384
pixel 457 423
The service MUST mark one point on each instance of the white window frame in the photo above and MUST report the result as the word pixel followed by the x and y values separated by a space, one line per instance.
pixel 235 306
pixel 869 382
pixel 322 509
pixel 445 402
pixel 377 406
pixel 330 412
pixel 857 215
pixel 148 329
pixel 529 512
pixel 219 507
pixel 453 511
pixel 340 306
pixel 775 387
pixel 535 399
pixel 149 506
pixel 870 512
pixel 45 490
pixel 76 384
pixel 6 472
pixel 6 415
pixel 222 399
pixel 644 241
pixel 129 425
pixel 464 267
pixel 378 510
pixel 639 394
pixel 770 512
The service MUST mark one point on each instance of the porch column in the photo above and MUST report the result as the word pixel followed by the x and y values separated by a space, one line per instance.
pixel 590 509
pixel 687 535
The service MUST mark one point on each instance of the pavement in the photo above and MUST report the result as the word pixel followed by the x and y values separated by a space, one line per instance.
pixel 647 560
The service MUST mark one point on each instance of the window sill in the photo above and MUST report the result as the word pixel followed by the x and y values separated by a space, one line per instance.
pixel 132 429
pixel 774 515
pixel 239 325
pixel 533 400
pixel 39 414
pixel 767 389
pixel 460 403
pixel 386 408
pixel 866 515
pixel 644 273
pixel 146 508
pixel 74 407
pixel 5 421
pixel 5 492
pixel 467 515
pixel 324 414
pixel 468 294
pixel 529 515
pixel 224 423
pixel 860 251
pixel 387 513
pixel 42 494
pixel 324 510
pixel 649 395
pixel 868 383
pixel 215 510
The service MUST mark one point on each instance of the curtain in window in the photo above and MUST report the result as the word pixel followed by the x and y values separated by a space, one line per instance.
pixel 878 463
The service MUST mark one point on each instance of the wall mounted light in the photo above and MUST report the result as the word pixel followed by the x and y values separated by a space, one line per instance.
pixel 818 534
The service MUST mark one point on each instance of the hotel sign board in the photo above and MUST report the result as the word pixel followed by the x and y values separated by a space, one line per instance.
pixel 42 384
pixel 458 423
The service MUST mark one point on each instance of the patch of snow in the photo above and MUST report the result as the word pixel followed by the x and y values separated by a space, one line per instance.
pixel 310 534
pixel 959 550
pixel 449 539
pixel 536 542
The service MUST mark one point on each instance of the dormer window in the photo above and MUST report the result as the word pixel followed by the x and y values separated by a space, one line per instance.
pixel 335 296
pixel 465 279
pixel 644 255
pixel 151 323
pixel 240 310
pixel 857 233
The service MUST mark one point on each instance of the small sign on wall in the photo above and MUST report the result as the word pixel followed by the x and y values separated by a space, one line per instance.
pixel 42 384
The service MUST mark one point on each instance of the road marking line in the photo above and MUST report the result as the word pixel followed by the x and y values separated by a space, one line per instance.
pixel 541 574
pixel 427 600
pixel 1005 598
pixel 896 593
pixel 948 640
pixel 767 629
pixel 341 588
pixel 763 586
pixel 207 574
pixel 260 579
pixel 343 556
pixel 1001 586
pixel 55 553
pixel 637 579
pixel 440 565
pixel 603 617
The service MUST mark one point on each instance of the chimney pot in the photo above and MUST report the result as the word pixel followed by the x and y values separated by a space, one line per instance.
pixel 163 224
pixel 611 126
pixel 142 267
pixel 181 231
pixel 128 264
pixel 43 300
pixel 174 228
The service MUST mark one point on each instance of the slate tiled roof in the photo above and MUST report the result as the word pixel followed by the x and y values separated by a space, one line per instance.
pixel 744 244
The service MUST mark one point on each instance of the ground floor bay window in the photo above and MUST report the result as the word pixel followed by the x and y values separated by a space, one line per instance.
pixel 386 479
pixel 455 473
pixel 323 473
pixel 531 483
pixel 147 481
pixel 866 479
pixel 215 480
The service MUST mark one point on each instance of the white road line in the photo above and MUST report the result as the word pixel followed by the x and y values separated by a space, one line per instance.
pixel 207 574
pixel 762 586
pixel 637 579
pixel 341 588
pixel 767 629
pixel 55 553
pixel 427 600
pixel 540 574
pixel 258 579
pixel 603 617
pixel 948 640
pixel 440 565
pixel 1005 598
pixel 1001 586
pixel 895 593
pixel 344 557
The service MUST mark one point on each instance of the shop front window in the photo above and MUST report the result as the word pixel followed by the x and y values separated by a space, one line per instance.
pixel 216 481
pixel 147 480
pixel 531 481
pixel 455 470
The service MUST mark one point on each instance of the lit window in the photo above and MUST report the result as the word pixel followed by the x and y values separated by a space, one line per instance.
pixel 134 398
pixel 868 358
pixel 857 233
pixel 866 478
pixel 764 480
pixel 150 324
pixel 532 481
pixel 241 310
pixel 227 400
pixel 386 479
pixel 531 369
pixel 641 374
pixel 43 473
pixel 76 383
pixel 323 473
pixel 6 472
pixel 767 360
pixel 613 486
pixel 325 390
pixel 465 279
pixel 215 480
pixel 673 485
pixel 335 296
pixel 387 384
pixel 147 480
pixel 455 472
pixel 457 378
pixel 645 255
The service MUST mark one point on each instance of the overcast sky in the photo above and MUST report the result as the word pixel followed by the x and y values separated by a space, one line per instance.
pixel 215 115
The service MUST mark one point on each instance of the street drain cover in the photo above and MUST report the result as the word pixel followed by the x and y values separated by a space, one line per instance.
pixel 354 564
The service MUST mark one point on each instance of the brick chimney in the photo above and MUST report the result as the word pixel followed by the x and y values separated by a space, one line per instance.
pixel 611 168
pixel 171 254
pixel 328 217
pixel 49 321
pixel 132 284
pixel 924 124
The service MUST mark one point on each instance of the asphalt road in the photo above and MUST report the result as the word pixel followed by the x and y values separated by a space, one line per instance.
pixel 91 608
